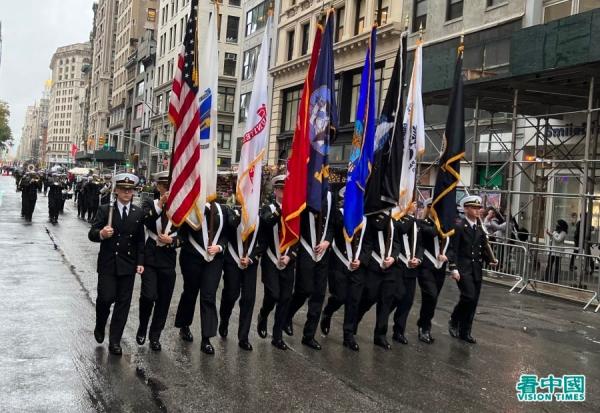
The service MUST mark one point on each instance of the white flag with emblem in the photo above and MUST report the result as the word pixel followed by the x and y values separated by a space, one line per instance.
pixel 254 141
pixel 208 80
pixel 414 135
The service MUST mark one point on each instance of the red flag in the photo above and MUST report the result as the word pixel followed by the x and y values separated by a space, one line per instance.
pixel 74 150
pixel 294 190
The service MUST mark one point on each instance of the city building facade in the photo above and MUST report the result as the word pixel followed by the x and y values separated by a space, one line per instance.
pixel 69 83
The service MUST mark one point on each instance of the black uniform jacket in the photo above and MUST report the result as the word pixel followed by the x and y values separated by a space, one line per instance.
pixel 270 224
pixel 121 253
pixel 467 251
pixel 164 256
pixel 405 234
pixel 380 228
pixel 337 225
pixel 192 239
pixel 233 220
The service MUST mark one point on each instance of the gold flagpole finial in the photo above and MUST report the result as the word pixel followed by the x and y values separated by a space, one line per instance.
pixel 461 46
pixel 406 21
pixel 421 31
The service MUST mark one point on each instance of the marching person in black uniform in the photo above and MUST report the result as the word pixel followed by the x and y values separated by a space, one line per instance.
pixel 312 267
pixel 82 198
pixel 54 198
pixel 408 262
pixel 239 277
pixel 277 268
pixel 348 269
pixel 381 276
pixel 160 257
pixel 468 252
pixel 105 190
pixel 433 272
pixel 29 186
pixel 121 257
pixel 92 196
pixel 201 262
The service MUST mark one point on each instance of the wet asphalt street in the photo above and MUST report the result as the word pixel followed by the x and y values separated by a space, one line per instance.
pixel 49 360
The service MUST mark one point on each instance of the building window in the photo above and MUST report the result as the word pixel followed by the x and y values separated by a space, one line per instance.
pixel 232 29
pixel 224 136
pixel 587 5
pixel 420 15
pixel 339 23
pixel 230 64
pixel 557 10
pixel 361 13
pixel 356 77
pixel 290 44
pixel 139 111
pixel 140 88
pixel 291 100
pixel 381 12
pixel 226 99
pixel 454 9
pixel 256 18
pixel 305 36
pixel 492 3
pixel 159 104
pixel 249 63
pixel 244 103
pixel 234 2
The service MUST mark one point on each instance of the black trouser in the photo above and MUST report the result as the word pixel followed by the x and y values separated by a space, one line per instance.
pixel 311 285
pixel 201 277
pixel 238 282
pixel 464 312
pixel 346 288
pixel 91 211
pixel 81 206
pixel 403 298
pixel 157 290
pixel 278 291
pixel 553 269
pixel 29 206
pixel 53 208
pixel 117 290
pixel 380 286
pixel 431 281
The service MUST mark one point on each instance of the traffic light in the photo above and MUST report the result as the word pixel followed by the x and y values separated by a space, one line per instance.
pixel 101 141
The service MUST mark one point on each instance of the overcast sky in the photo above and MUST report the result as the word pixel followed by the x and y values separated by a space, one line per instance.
pixel 32 30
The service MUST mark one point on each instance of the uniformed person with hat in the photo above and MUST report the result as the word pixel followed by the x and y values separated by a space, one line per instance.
pixel 121 256
pixel 201 261
pixel 468 253
pixel 55 196
pixel 277 268
pixel 432 272
pixel 239 276
pixel 160 258
pixel 29 186
pixel 106 189
pixel 348 269
pixel 92 196
pixel 409 260
pixel 312 268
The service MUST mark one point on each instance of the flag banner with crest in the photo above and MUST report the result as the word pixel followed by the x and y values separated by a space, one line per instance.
pixel 323 120
pixel 295 187
pixel 361 157
pixel 384 183
pixel 443 206
pixel 254 141
pixel 414 134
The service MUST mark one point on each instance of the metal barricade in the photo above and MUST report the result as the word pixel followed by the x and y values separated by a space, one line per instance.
pixel 564 267
pixel 512 262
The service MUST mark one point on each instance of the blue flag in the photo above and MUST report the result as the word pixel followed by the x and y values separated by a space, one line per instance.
pixel 363 143
pixel 322 120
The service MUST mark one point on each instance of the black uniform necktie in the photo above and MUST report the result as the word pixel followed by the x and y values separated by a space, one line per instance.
pixel 124 213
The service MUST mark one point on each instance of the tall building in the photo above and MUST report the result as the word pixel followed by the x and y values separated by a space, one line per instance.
pixel 68 89
pixel 34 130
pixel 172 19
pixel 24 152
pixel 133 19
pixel 100 93
pixel 255 14
pixel 295 33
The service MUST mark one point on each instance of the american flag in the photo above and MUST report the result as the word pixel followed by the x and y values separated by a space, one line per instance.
pixel 183 112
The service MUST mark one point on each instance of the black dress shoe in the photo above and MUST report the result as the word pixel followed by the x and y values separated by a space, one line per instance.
pixel 453 329
pixel 99 335
pixel 468 338
pixel 206 347
pixel 140 336
pixel 383 343
pixel 261 326
pixel 425 336
pixel 115 349
pixel 155 345
pixel 325 324
pixel 289 329
pixel 186 334
pixel 280 344
pixel 398 337
pixel 223 330
pixel 311 342
pixel 245 345
pixel 352 345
